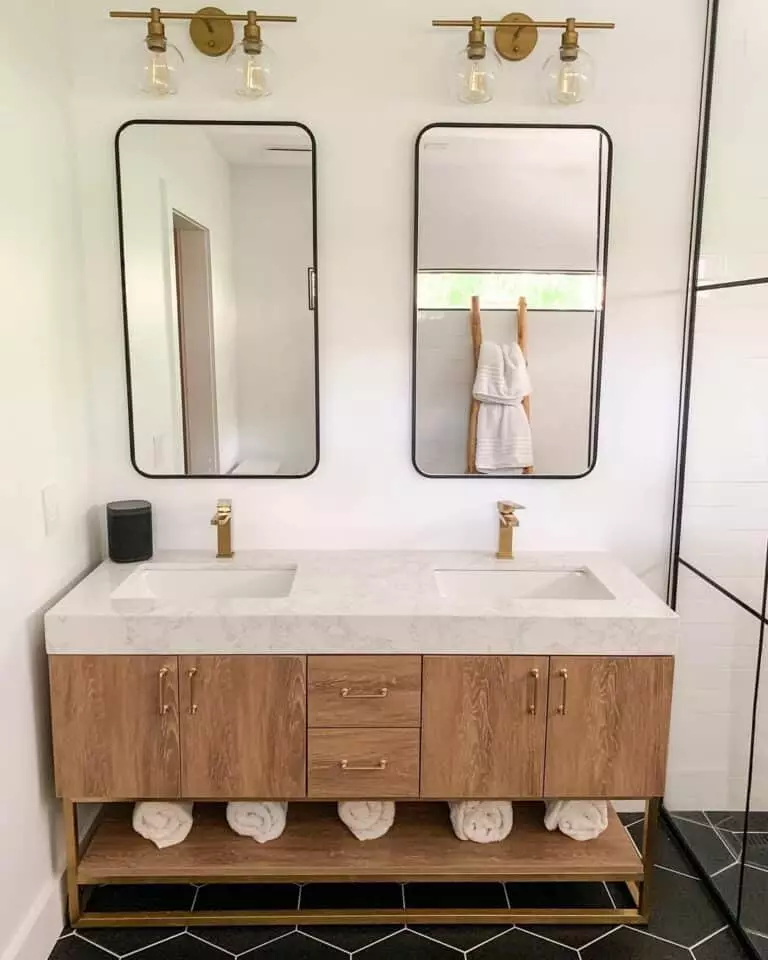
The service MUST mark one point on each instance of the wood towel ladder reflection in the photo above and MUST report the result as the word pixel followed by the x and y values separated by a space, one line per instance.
pixel 476 329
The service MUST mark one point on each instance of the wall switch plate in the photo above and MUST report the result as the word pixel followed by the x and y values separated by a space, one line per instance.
pixel 51 510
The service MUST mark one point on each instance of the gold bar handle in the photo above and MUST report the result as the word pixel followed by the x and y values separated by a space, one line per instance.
pixel 534 704
pixel 563 708
pixel 347 694
pixel 161 690
pixel 345 765
pixel 193 707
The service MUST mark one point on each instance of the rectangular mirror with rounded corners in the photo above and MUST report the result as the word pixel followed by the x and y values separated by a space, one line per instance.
pixel 511 236
pixel 218 240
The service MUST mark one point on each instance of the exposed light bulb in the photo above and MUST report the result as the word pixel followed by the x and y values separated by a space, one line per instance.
pixel 160 71
pixel 254 71
pixel 475 79
pixel 570 73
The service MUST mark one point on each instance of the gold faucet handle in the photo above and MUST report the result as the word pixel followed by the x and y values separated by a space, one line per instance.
pixel 223 512
pixel 507 510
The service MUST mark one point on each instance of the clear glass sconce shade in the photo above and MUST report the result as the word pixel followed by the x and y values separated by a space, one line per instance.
pixel 254 73
pixel 475 80
pixel 160 74
pixel 569 81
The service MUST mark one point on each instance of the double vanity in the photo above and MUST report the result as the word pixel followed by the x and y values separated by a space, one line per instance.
pixel 318 676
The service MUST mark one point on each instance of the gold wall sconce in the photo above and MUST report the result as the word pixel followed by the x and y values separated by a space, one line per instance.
pixel 568 73
pixel 212 32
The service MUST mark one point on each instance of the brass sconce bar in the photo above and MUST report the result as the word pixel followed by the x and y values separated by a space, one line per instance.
pixel 238 17
pixel 517 34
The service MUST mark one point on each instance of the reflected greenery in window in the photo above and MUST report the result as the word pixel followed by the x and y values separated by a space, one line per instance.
pixel 502 291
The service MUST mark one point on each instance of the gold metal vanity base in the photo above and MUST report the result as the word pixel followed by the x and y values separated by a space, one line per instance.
pixel 79 884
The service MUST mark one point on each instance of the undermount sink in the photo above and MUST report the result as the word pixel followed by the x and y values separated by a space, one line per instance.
pixel 494 585
pixel 195 582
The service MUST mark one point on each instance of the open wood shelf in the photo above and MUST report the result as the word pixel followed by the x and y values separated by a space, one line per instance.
pixel 317 846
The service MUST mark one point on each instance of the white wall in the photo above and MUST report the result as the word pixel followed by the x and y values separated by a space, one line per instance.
pixel 560 364
pixel 162 170
pixel 272 242
pixel 366 109
pixel 45 441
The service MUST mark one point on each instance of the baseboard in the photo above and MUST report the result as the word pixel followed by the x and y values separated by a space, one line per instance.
pixel 39 930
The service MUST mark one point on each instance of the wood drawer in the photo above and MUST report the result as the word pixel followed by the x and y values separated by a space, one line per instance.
pixel 363 764
pixel 346 691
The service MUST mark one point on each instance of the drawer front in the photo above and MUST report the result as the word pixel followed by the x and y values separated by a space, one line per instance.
pixel 363 764
pixel 364 691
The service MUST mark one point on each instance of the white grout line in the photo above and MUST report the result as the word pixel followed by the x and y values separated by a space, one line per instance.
pixel 426 936
pixel 634 823
pixel 506 896
pixel 540 936
pixel 729 866
pixel 489 940
pixel 655 936
pixel 601 937
pixel 402 894
pixel 678 873
pixel 394 933
pixel 266 943
pixel 756 933
pixel 173 936
pixel 610 895
pixel 707 938
pixel 696 823
pixel 715 831
pixel 309 936
pixel 79 936
pixel 298 902
pixel 215 946
pixel 194 899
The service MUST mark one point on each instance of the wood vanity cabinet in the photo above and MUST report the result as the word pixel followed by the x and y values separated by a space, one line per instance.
pixel 115 726
pixel 484 727
pixel 290 727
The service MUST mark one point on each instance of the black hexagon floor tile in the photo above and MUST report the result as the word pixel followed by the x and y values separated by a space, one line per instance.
pixel 543 896
pixel 351 938
pixel 461 936
pixel 708 845
pixel 523 945
pixel 185 947
pixel 696 816
pixel 734 820
pixel 352 896
pixel 760 944
pixel 406 945
pixel 131 897
pixel 628 944
pixel 754 915
pixel 123 940
pixel 247 896
pixel 681 911
pixel 296 946
pixel 73 948
pixel 723 946
pixel 575 936
pixel 239 940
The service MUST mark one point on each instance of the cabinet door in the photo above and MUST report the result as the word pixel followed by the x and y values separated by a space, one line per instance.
pixel 243 726
pixel 608 726
pixel 483 727
pixel 115 727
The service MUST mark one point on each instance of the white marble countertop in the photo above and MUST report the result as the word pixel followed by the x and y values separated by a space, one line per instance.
pixel 366 602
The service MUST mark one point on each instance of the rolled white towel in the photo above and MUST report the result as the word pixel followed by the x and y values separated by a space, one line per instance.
pixel 367 819
pixel 165 823
pixel 578 819
pixel 481 821
pixel 262 820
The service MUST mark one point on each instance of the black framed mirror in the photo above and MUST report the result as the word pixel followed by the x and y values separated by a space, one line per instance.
pixel 218 244
pixel 510 258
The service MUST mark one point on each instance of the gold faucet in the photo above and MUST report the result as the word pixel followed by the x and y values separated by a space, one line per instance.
pixel 222 520
pixel 507 523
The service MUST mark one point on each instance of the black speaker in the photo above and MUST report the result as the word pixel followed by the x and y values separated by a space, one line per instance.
pixel 129 530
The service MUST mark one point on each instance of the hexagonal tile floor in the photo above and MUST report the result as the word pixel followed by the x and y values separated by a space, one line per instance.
pixel 685 925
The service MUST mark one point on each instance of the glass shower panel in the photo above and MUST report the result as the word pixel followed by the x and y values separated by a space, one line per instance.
pixel 734 238
pixel 725 520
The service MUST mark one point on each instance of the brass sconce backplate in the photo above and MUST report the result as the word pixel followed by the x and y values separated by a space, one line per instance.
pixel 214 38
pixel 517 41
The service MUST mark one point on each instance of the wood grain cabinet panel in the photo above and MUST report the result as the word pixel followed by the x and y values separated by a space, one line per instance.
pixel 243 727
pixel 483 727
pixel 357 764
pixel 608 726
pixel 115 726
pixel 369 691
